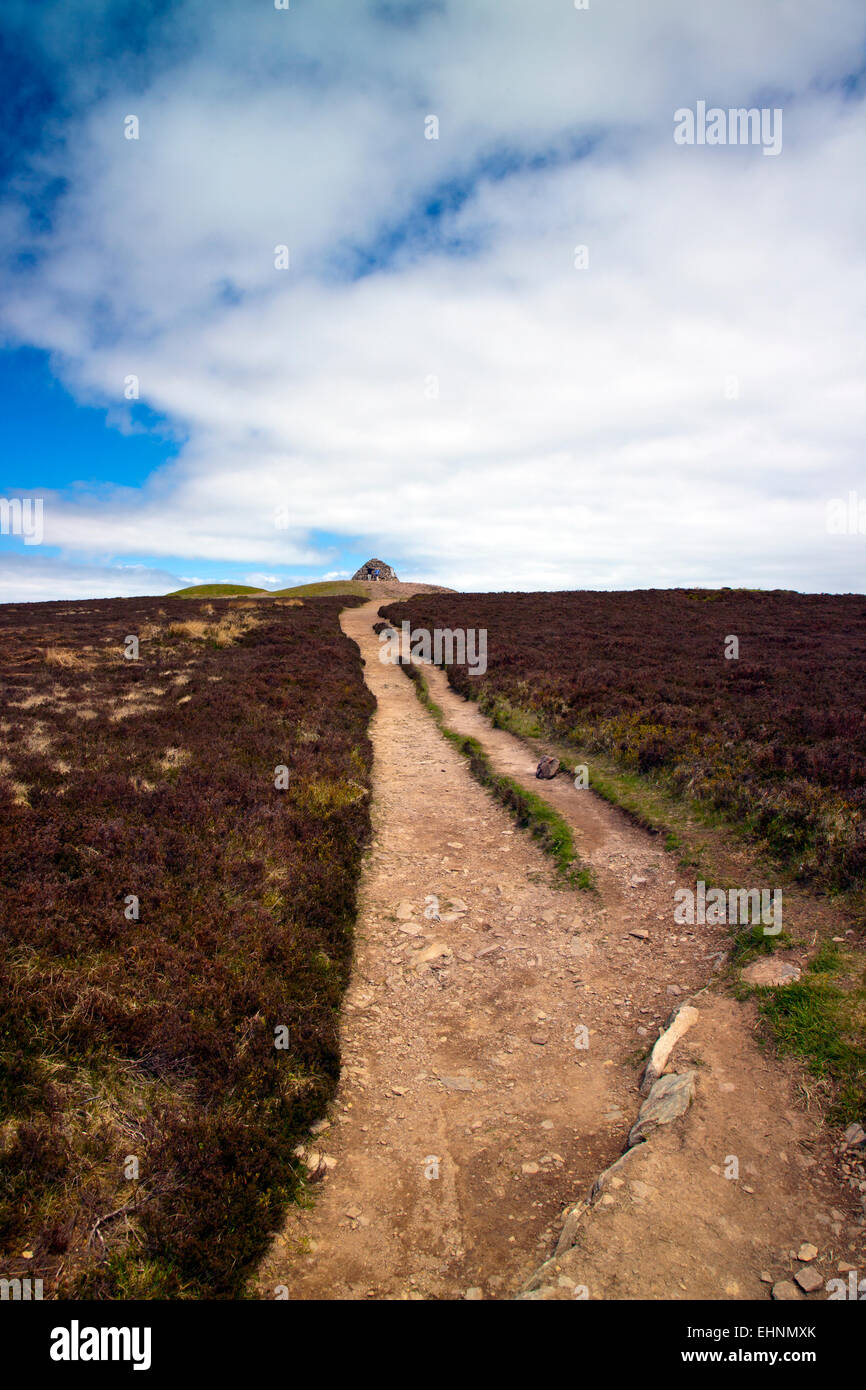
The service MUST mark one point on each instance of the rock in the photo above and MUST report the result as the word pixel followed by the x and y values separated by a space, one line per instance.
pixel 486 951
pixel 319 1126
pixel 399 1090
pixel 683 1020
pixel 637 882
pixel 669 1098
pixel 641 935
pixel 673 989
pixel 404 912
pixel 769 971
pixel 529 1168
pixel 569 1231
pixel 855 1136
pixel 766 1277
pixel 540 1039
pixel 809 1279
pixel 316 1164
pixel 473 1296
pixel 784 1292
pixel 437 950
pixel 807 1252
pixel 548 767
pixel 457 1083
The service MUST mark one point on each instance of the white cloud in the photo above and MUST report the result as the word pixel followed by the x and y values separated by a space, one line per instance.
pixel 495 418
pixel 38 578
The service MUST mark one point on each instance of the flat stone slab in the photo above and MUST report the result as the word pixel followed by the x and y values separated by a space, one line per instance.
pixel 669 1098
pixel 771 972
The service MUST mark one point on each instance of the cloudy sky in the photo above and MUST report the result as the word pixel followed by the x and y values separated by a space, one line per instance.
pixel 439 376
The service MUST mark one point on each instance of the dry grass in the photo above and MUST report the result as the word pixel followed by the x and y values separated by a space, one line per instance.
pixel 223 633
pixel 62 657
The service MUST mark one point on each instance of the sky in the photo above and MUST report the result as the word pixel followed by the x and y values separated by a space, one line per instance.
pixel 435 281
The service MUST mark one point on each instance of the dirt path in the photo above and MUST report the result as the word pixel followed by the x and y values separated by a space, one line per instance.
pixel 467 1119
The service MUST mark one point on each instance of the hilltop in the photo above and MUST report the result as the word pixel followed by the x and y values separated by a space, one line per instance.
pixel 326 588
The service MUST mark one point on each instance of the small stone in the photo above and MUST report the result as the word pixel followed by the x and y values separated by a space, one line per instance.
pixel 457 1083
pixel 809 1279
pixel 399 1090
pixel 766 1277
pixel 855 1136
pixel 807 1252
pixel 548 767
pixel 473 1296
pixel 640 935
pixel 540 1039
pixel 784 1292
pixel 404 911
pixel 636 881
pixel 529 1168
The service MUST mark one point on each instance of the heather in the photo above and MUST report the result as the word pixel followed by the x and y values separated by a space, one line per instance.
pixel 774 740
pixel 147 1119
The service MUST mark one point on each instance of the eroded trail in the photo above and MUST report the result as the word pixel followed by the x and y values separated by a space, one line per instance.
pixel 466 1117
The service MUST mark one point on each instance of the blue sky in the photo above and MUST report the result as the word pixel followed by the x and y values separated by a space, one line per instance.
pixel 437 377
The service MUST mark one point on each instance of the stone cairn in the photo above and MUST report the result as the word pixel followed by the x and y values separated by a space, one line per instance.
pixel 368 571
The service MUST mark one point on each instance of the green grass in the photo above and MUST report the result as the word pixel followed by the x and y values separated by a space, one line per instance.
pixel 327 588
pixel 824 1024
pixel 751 942
pixel 215 591
pixel 530 811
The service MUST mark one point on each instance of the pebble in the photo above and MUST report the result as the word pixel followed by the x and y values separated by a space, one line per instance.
pixel 807 1252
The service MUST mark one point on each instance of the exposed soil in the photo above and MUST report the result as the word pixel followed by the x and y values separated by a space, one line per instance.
pixel 460 1059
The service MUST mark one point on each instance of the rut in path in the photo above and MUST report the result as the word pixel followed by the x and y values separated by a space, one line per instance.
pixel 466 1118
